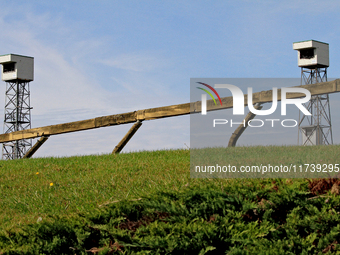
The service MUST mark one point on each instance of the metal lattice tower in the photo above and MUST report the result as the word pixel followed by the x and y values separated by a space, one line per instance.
pixel 316 129
pixel 17 71
pixel 17 117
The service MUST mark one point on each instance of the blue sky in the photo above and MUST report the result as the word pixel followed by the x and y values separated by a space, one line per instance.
pixel 95 58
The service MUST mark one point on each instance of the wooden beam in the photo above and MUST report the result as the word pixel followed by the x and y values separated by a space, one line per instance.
pixel 127 137
pixel 161 112
pixel 36 146
pixel 240 129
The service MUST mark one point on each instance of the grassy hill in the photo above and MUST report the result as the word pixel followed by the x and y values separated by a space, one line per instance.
pixel 35 188
pixel 146 203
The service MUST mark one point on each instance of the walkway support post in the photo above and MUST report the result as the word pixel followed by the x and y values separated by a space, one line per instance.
pixel 127 137
pixel 238 132
pixel 36 146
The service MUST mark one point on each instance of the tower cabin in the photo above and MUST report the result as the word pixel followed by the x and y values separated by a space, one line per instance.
pixel 312 54
pixel 16 67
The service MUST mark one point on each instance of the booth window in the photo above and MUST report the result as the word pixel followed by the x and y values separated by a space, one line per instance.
pixel 9 67
pixel 307 53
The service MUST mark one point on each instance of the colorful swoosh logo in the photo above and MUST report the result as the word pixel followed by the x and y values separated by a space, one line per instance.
pixel 209 93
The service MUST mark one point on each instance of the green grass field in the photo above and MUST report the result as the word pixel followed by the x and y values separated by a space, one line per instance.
pixel 61 186
pixel 146 203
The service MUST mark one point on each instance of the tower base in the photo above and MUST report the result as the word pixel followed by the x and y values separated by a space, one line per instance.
pixel 317 128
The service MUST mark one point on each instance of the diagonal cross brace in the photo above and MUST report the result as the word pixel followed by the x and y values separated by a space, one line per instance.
pixel 240 129
pixel 36 146
pixel 127 137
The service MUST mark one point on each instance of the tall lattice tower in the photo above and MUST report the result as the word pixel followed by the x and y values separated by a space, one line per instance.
pixel 313 58
pixel 17 71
